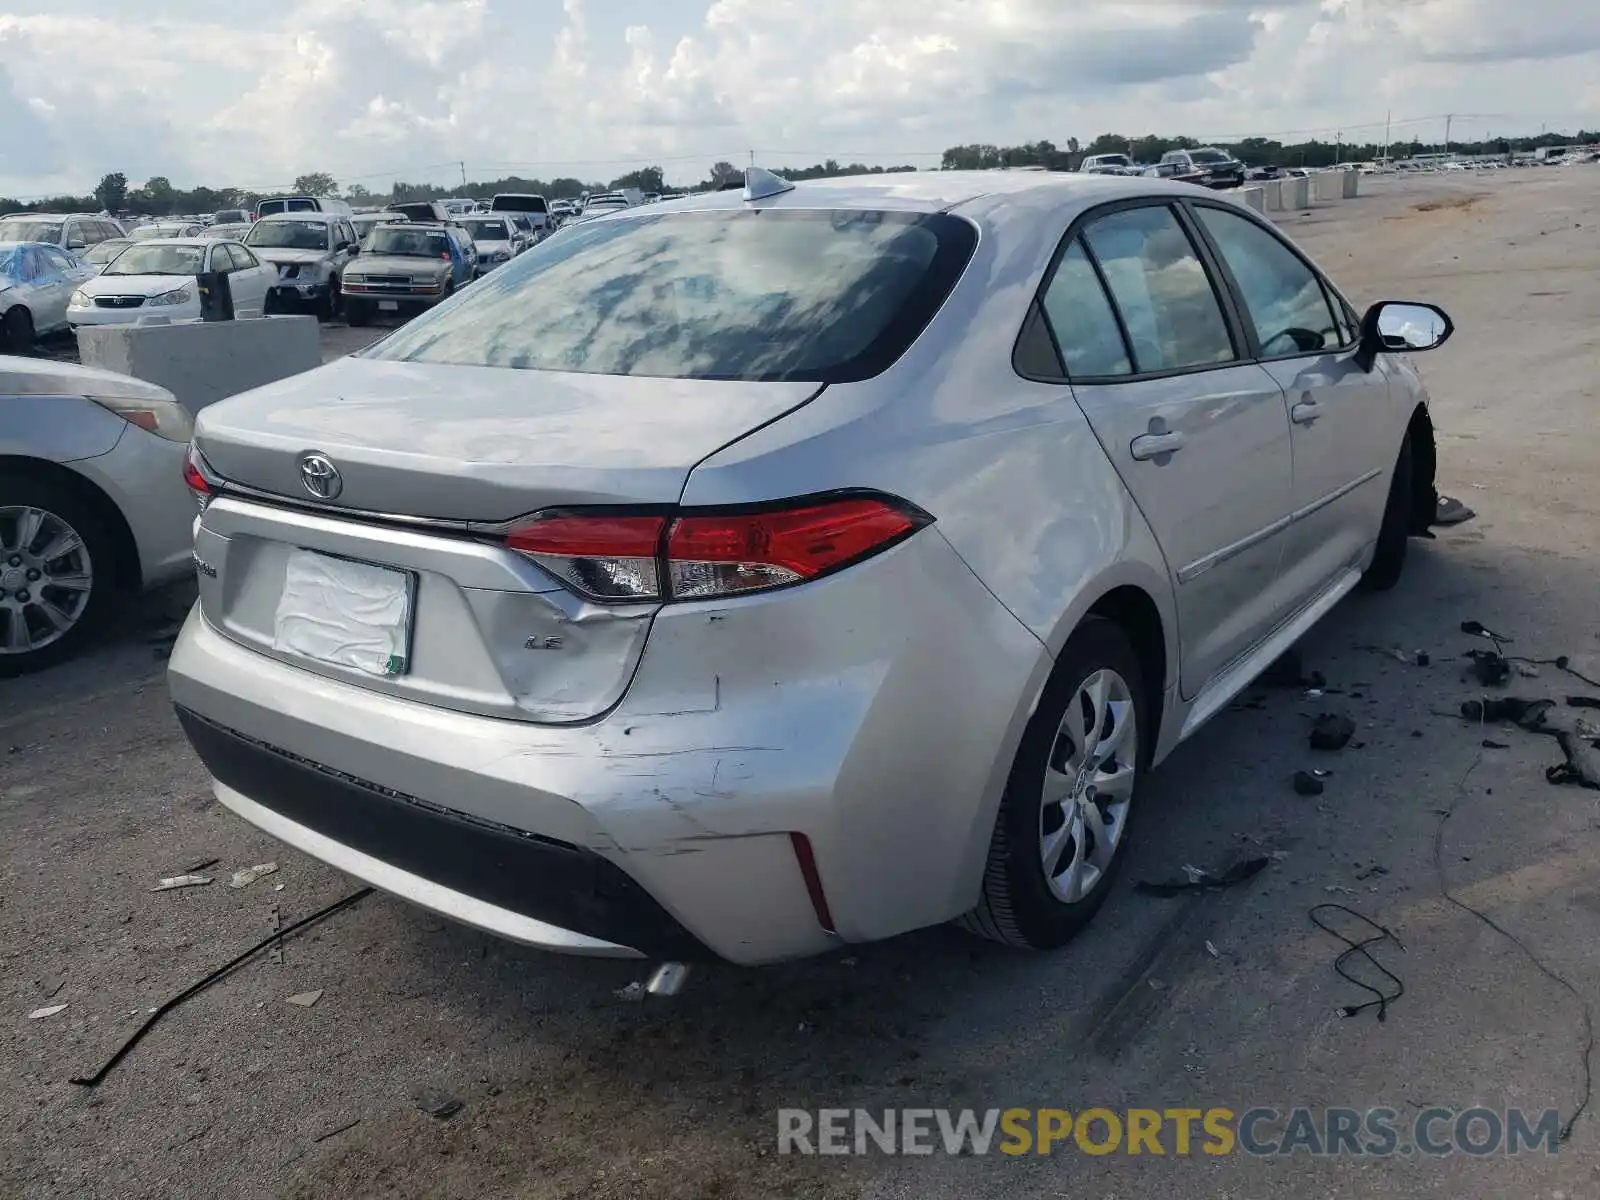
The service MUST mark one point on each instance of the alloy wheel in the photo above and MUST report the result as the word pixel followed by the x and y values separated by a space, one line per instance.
pixel 1088 786
pixel 46 579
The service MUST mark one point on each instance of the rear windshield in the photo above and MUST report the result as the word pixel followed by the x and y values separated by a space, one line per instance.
pixel 533 204
pixel 1208 156
pixel 298 204
pixel 488 231
pixel 420 211
pixel 816 296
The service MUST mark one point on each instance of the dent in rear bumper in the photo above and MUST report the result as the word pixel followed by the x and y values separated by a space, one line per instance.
pixel 875 711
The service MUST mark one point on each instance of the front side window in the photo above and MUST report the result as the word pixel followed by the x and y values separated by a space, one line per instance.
pixel 820 296
pixel 1161 288
pixel 1081 318
pixel 1283 296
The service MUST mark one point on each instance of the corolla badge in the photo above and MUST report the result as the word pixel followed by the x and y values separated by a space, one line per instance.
pixel 320 477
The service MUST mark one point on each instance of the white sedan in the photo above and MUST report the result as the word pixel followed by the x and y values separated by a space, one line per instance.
pixel 157 280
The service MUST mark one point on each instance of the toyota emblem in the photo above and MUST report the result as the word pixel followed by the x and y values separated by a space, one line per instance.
pixel 320 477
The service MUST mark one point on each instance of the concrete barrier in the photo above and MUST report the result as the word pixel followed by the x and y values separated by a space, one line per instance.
pixel 1297 193
pixel 1274 190
pixel 1328 185
pixel 205 361
pixel 1254 197
pixel 1352 184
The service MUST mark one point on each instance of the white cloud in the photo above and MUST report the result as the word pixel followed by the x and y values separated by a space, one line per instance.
pixel 368 90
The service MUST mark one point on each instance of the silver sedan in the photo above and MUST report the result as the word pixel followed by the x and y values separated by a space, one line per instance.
pixel 36 284
pixel 92 502
pixel 766 571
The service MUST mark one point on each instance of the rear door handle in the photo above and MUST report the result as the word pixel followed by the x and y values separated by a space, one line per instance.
pixel 1151 445
pixel 1305 413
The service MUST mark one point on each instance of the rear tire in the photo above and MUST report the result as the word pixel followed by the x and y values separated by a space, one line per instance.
pixel 358 313
pixel 82 552
pixel 17 330
pixel 1052 862
pixel 1394 535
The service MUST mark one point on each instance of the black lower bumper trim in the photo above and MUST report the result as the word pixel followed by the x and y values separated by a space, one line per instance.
pixel 547 880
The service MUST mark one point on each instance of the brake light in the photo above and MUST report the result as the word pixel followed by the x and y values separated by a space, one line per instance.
pixel 702 554
pixel 198 475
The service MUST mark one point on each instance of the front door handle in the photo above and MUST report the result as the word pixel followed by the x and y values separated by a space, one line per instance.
pixel 1305 413
pixel 1152 445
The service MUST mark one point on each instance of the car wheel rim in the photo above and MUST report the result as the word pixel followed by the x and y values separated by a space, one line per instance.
pixel 1088 786
pixel 46 578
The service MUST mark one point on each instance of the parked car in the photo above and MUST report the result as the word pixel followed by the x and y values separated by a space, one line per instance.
pixel 277 206
pixel 427 212
pixel 310 251
pixel 159 280
pixel 232 233
pixel 674 591
pixel 498 240
pixel 76 233
pixel 535 208
pixel 232 216
pixel 99 255
pixel 1174 172
pixel 36 281
pixel 167 229
pixel 1220 169
pixel 1266 172
pixel 92 503
pixel 365 223
pixel 405 269
pixel 1108 164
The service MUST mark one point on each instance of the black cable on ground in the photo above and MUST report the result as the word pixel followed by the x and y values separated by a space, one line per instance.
pixel 194 989
pixel 1384 934
pixel 1539 964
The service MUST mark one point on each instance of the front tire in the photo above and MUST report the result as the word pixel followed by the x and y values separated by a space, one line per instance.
pixel 328 305
pixel 57 573
pixel 1394 535
pixel 1062 831
pixel 17 331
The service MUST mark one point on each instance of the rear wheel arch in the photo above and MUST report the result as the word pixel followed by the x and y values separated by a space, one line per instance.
pixel 1424 469
pixel 129 572
pixel 1136 613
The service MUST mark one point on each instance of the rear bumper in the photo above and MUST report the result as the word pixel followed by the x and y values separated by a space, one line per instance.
pixel 535 890
pixel 874 712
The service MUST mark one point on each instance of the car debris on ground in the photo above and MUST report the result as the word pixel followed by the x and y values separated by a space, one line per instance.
pixel 173 882
pixel 244 878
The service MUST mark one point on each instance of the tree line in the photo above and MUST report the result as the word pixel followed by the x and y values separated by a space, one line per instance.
pixel 159 197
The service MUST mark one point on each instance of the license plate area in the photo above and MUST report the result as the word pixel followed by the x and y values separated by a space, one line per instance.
pixel 346 613
pixel 389 305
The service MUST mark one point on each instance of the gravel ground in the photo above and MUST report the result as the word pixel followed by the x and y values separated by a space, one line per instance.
pixel 567 1090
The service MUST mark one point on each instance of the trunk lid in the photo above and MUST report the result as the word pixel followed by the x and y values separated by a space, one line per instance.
pixel 487 630
pixel 483 443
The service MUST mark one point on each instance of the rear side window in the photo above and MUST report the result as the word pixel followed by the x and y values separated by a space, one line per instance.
pixel 819 296
pixel 1081 318
pixel 1283 296
pixel 1172 315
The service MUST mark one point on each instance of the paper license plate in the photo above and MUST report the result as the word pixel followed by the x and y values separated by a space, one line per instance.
pixel 345 613
pixel 389 305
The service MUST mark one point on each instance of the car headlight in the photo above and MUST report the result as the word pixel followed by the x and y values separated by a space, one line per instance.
pixel 177 296
pixel 80 299
pixel 165 418
pixel 288 270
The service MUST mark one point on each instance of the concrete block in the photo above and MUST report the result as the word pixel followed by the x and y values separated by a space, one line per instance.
pixel 1297 193
pixel 1254 197
pixel 1274 191
pixel 202 362
pixel 1328 185
pixel 1352 184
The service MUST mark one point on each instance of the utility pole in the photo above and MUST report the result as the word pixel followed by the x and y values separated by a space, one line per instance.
pixel 752 158
pixel 1338 147
pixel 1448 121
pixel 1388 126
pixel 463 167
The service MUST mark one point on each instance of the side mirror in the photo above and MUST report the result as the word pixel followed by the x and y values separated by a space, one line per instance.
pixel 1401 327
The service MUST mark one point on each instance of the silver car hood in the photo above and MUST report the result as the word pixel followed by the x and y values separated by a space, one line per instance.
pixel 483 443
pixel 396 264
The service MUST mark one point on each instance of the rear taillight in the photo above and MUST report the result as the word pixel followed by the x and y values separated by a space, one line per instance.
pixel 199 476
pixel 704 554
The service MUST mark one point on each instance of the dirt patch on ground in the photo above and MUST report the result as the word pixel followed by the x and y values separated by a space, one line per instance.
pixel 1461 203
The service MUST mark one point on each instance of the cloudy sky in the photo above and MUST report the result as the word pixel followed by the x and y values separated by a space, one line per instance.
pixel 254 93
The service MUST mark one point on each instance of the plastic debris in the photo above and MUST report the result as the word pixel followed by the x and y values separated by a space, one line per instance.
pixel 634 992
pixel 1241 871
pixel 249 875
pixel 172 882
pixel 1307 784
pixel 1211 949
pixel 1450 511
pixel 1330 731
pixel 1529 714
pixel 439 1106
pixel 49 1010
pixel 306 999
